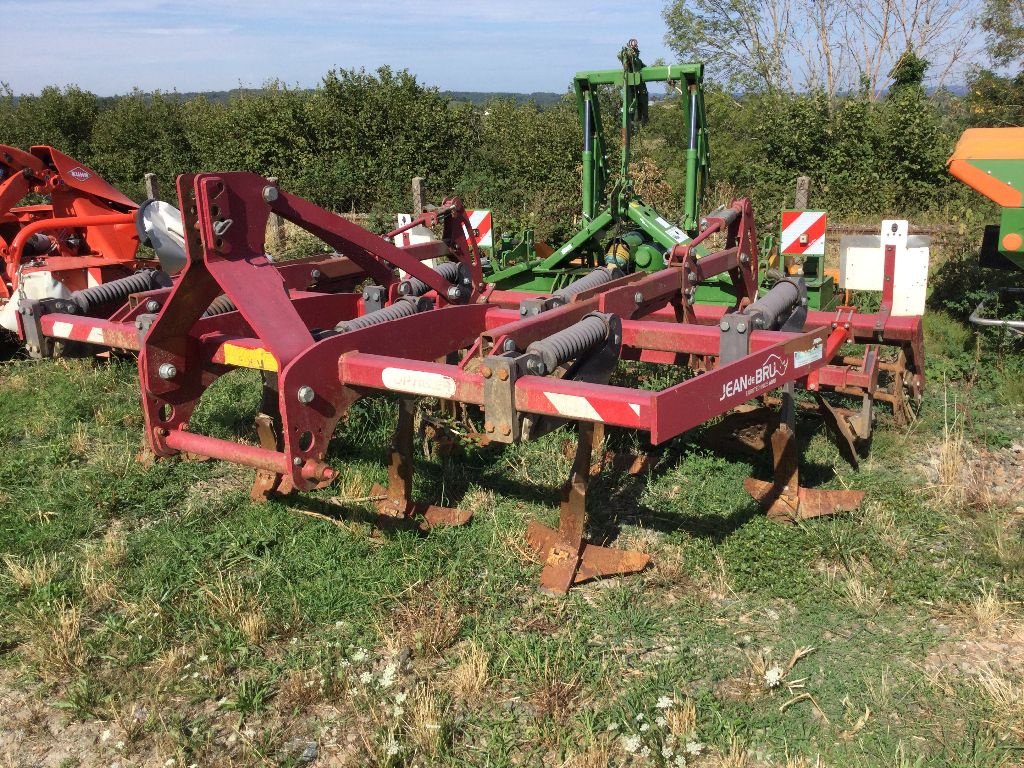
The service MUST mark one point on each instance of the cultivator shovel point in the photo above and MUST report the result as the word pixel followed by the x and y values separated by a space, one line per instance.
pixel 567 557
pixel 395 500
pixel 784 499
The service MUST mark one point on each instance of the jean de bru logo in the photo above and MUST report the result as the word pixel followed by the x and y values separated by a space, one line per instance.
pixel 759 379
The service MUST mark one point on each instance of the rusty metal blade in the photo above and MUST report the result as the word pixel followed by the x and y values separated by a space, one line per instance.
pixel 816 502
pixel 435 516
pixel 837 420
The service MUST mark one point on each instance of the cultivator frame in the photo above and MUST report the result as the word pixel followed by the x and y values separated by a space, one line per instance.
pixel 526 366
pixel 528 361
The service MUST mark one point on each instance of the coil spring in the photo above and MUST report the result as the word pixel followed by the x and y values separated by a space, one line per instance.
pixel 219 306
pixel 402 308
pixel 449 270
pixel 599 276
pixel 569 343
pixel 90 299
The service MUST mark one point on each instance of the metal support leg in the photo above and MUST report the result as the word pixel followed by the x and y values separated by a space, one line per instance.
pixel 783 499
pixel 397 501
pixel 268 430
pixel 568 558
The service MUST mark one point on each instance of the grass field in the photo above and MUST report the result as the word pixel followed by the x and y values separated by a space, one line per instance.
pixel 154 616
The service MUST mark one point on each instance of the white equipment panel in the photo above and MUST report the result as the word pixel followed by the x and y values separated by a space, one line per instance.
pixel 862 265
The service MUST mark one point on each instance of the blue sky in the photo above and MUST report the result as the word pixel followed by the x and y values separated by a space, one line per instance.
pixel 110 46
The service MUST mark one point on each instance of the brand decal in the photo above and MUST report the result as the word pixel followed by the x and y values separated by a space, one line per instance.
pixel 419 382
pixel 758 380
pixel 806 357
pixel 78 172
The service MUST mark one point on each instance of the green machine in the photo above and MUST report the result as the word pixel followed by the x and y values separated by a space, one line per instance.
pixel 991 161
pixel 618 228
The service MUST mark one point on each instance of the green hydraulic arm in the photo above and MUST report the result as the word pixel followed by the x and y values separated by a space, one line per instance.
pixel 610 200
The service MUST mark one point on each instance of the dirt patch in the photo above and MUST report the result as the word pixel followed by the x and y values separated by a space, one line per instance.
pixel 977 474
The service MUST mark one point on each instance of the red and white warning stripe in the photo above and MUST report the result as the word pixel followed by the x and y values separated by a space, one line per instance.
pixel 587 409
pixel 803 232
pixel 480 221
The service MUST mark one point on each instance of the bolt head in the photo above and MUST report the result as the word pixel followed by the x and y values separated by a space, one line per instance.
pixel 506 430
pixel 522 311
pixel 454 293
pixel 297 461
pixel 486 371
pixel 270 194
pixel 724 325
pixel 503 374
pixel 305 394
pixel 741 327
pixel 314 274
pixel 488 426
pixel 638 298
pixel 152 305
pixel 691 276
pixel 509 346
pixel 404 287
pixel 167 371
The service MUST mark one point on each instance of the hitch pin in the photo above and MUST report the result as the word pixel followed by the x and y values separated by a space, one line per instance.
pixel 220 227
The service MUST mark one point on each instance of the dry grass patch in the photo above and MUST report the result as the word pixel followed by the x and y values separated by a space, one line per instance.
pixel 300 688
pixel 424 623
pixel 555 695
pixel 1004 696
pixel 469 677
pixel 231 603
pixel 425 721
pixel 854 581
pixel 31 574
pixel 53 640
pixel 888 529
pixel 597 755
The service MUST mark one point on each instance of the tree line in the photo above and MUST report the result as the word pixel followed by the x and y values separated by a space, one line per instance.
pixel 355 141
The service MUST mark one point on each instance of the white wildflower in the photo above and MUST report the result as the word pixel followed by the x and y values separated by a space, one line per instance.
pixel 660 721
pixel 665 702
pixel 694 747
pixel 679 762
pixel 387 678
pixel 645 752
pixel 105 736
pixel 400 697
pixel 294 641
pixel 667 751
pixel 640 717
pixel 630 744
pixel 204 657
pixel 773 676
pixel 170 762
pixel 398 711
pixel 359 655
pixel 119 745
pixel 392 747
pixel 612 727
pixel 366 678
pixel 645 728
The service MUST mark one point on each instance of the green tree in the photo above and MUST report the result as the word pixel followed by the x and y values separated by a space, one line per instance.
pixel 743 42
pixel 1003 22
pixel 60 117
pixel 142 133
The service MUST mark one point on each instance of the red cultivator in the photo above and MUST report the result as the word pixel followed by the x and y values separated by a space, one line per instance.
pixel 528 362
